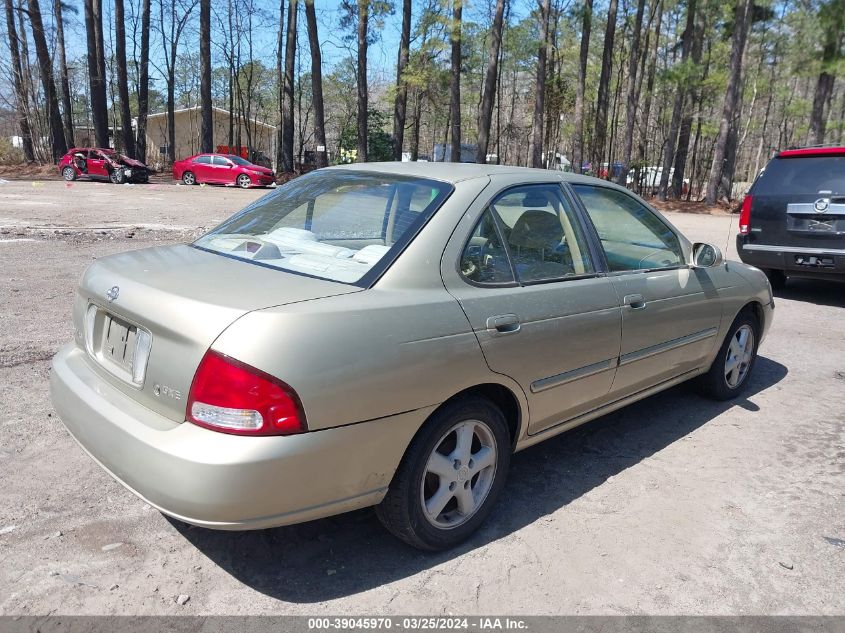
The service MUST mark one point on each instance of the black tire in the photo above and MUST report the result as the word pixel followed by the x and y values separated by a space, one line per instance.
pixel 69 174
pixel 243 181
pixel 777 278
pixel 401 511
pixel 189 178
pixel 715 383
pixel 118 176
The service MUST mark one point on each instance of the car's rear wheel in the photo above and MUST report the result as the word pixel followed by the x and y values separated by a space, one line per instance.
pixel 777 278
pixel 244 181
pixel 188 178
pixel 450 477
pixel 69 174
pixel 728 375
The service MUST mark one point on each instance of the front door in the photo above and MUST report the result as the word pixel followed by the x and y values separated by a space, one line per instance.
pixel 543 315
pixel 97 165
pixel 669 318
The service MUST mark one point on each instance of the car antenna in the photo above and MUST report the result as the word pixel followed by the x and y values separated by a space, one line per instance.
pixel 728 238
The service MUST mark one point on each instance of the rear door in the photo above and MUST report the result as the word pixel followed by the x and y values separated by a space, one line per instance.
pixel 799 202
pixel 523 271
pixel 203 168
pixel 670 311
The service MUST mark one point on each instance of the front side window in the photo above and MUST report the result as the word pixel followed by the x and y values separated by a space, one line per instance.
pixel 339 225
pixel 632 236
pixel 219 160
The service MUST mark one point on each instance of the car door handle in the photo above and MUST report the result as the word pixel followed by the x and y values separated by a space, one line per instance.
pixel 504 324
pixel 635 302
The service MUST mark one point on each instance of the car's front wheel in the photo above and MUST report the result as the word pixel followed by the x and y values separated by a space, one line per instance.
pixel 729 373
pixel 450 477
pixel 244 181
pixel 69 174
pixel 188 178
pixel 118 176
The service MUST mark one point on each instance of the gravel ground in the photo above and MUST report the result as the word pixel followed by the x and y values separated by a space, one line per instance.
pixel 675 505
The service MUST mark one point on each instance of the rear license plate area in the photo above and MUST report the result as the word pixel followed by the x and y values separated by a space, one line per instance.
pixel 816 224
pixel 815 261
pixel 121 347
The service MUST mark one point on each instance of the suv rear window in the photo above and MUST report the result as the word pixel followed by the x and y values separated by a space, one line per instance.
pixel 806 174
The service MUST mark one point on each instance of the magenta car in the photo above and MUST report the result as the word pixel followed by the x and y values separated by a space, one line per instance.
pixel 222 169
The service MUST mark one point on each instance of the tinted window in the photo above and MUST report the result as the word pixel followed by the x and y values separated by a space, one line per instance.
pixel 205 160
pixel 219 160
pixel 633 237
pixel 337 225
pixel 238 160
pixel 484 259
pixel 810 174
pixel 541 233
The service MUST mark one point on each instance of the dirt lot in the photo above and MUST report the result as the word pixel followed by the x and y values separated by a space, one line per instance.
pixel 676 505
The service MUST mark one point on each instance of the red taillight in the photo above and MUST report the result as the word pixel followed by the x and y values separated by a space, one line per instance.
pixel 745 216
pixel 232 397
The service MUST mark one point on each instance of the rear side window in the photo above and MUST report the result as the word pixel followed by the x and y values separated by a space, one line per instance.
pixel 219 160
pixel 205 160
pixel 803 175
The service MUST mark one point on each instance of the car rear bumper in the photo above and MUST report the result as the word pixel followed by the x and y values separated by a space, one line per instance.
pixel 225 481
pixel 801 261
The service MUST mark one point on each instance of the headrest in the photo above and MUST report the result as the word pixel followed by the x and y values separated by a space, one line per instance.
pixel 535 200
pixel 536 229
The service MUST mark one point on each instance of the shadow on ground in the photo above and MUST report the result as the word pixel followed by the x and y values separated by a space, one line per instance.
pixel 818 291
pixel 344 555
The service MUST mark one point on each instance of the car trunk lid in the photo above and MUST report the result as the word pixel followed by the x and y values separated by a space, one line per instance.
pixel 164 307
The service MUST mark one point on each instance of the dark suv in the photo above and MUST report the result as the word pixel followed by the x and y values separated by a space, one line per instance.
pixel 793 219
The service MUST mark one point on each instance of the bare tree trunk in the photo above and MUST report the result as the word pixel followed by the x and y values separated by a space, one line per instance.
pixel 207 125
pixel 362 115
pixel 317 85
pixel 280 84
pixel 67 106
pixel 578 140
pixel 20 94
pixel 415 127
pixel 833 16
pixel 455 80
pixel 631 105
pixel 740 34
pixel 58 145
pixel 122 79
pixel 97 70
pixel 678 108
pixel 488 97
pixel 144 82
pixel 686 123
pixel 603 100
pixel 535 151
pixel 400 106
pixel 289 104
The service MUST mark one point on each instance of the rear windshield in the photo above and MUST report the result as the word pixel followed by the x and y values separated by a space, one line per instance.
pixel 340 225
pixel 799 175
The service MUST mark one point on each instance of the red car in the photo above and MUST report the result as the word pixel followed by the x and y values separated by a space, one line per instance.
pixel 98 163
pixel 222 169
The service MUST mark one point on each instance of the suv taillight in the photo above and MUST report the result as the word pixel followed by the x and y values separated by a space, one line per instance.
pixel 745 216
pixel 232 397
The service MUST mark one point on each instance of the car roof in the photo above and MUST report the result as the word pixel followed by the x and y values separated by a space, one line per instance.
pixel 812 151
pixel 457 172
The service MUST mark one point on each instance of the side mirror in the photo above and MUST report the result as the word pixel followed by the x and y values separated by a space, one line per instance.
pixel 706 255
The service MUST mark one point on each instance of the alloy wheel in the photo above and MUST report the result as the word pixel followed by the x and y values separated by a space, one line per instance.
pixel 244 181
pixel 739 356
pixel 459 474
